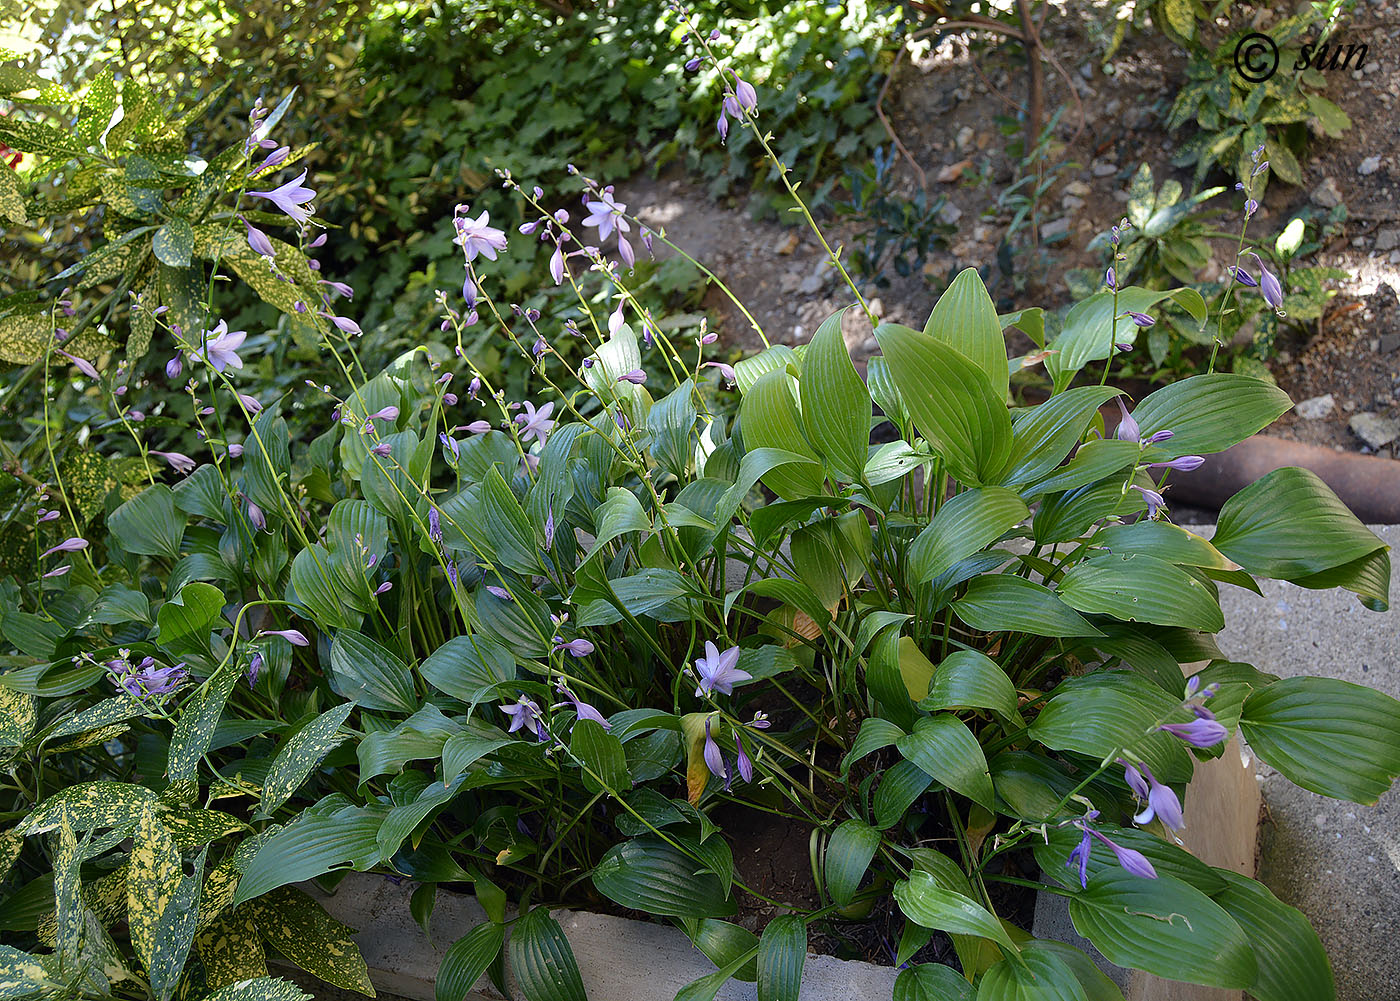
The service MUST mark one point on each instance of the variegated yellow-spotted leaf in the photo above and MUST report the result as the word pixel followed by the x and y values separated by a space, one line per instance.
pixel 300 755
pixel 10 844
pixel 106 896
pixel 19 713
pixel 22 975
pixel 152 879
pixel 193 827
pixel 11 200
pixel 89 806
pixel 118 709
pixel 219 887
pixel 264 989
pixel 87 479
pixel 174 934
pixel 299 928
pixel 231 950
pixel 70 911
pixel 91 738
pixel 198 718
pixel 180 792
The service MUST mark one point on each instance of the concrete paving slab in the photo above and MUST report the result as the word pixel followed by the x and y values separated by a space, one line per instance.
pixel 1337 862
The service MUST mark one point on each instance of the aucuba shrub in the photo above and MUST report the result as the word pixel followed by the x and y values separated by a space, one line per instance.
pixel 534 646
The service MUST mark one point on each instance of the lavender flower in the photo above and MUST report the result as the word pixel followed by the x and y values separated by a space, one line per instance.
pixel 525 713
pixel 145 679
pixel 714 758
pixel 1242 276
pixel 178 461
pixel 1128 428
pixel 290 198
pixel 390 413
pixel 250 403
pixel 719 671
pixel 581 708
pixel 606 214
pixel 1161 801
pixel 477 427
pixel 273 159
pixel 1130 859
pixel 499 592
pixel 1155 501
pixel 744 93
pixel 66 546
pixel 745 764
pixel 82 365
pixel 726 371
pixel 254 669
pixel 293 636
pixel 1269 286
pixel 256 517
pixel 1141 319
pixel 382 449
pixel 174 367
pixel 342 323
pixel 258 240
pixel 575 648
pixel 434 525
pixel 1200 732
pixel 534 423
pixel 1110 279
pixel 692 64
pixel 450 444
pixel 636 377
pixel 1184 463
pixel 476 236
pixel 221 347
pixel 339 288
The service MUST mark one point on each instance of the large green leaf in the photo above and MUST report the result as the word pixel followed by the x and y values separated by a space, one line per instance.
pixel 965 319
pixel 835 402
pixel 300 929
pixel 1044 435
pixel 1289 524
pixel 467 960
pixel 769 418
pixel 1090 331
pixel 369 675
pixel 601 757
pixel 506 526
pixel 1004 602
pixel 900 785
pixel 971 679
pixel 186 619
pixel 967 523
pixel 1209 413
pixel 1099 719
pixel 315 843
pixel 1139 588
pixel 542 961
pixel 953 403
pixel 875 733
pixel 149 524
pixel 312 587
pixel 932 982
pixel 782 951
pixel 465 667
pixel 1166 927
pixel 945 748
pixel 1053 855
pixel 1040 975
pixel 1292 962
pixel 299 755
pixel 925 902
pixel 647 874
pixel 848 856
pixel 1329 736
pixel 422 735
pixel 1163 540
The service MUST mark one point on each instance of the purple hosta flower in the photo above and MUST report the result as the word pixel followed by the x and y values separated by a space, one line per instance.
pixel 250 403
pixel 1155 501
pixel 1200 732
pixel 606 214
pixel 174 367
pixel 556 264
pixel 624 250
pixel 47 516
pixel 1269 286
pixel 57 571
pixel 1130 859
pixel 646 240
pixel 450 444
pixel 744 93
pixel 390 413
pixel 499 592
pixel 1242 276
pixel 745 765
pixel 1110 279
pixel 235 450
pixel 1128 428
pixel 616 319
pixel 692 64
pixel 714 759
pixel 1141 319
pixel 178 461
pixel 290 198
pixel 1250 207
pixel 434 525
pixel 575 647
pixel 1184 463
pixel 534 423
pixel 549 529
pixel 473 387
pixel 539 347
pixel 221 347
pixel 258 240
pixel 82 365
pixel 581 708
pixel 342 323
pixel 136 415
pixel 293 636
pixel 636 377
pixel 143 679
pixel 452 573
pixel 66 546
pixel 1161 801
pixel 477 427
pixel 722 124
pixel 273 159
pixel 256 517
pixel 525 713
pixel 477 236
pixel 726 371
pixel 719 671
pixel 382 449
pixel 339 288
pixel 382 588
pixel 254 669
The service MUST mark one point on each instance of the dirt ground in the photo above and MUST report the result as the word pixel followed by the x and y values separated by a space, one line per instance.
pixel 943 105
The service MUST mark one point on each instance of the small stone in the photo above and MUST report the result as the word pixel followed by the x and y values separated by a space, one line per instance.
pixel 1071 203
pixel 1371 67
pixel 1101 169
pixel 1388 238
pixel 1055 228
pixel 952 172
pixel 814 282
pixel 877 307
pixel 1369 166
pixel 1389 343
pixel 1394 257
pixel 789 245
pixel 1327 194
pixel 1078 189
pixel 964 136
pixel 949 214
pixel 1375 430
pixel 1316 408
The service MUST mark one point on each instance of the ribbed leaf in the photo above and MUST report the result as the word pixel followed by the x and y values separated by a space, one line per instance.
pixel 1163 540
pixel 467 667
pixel 835 403
pixel 769 418
pixel 467 961
pixel 149 524
pixel 900 785
pixel 1209 413
pixel 1091 328
pixel 965 319
pixel 312 845
pixel 1329 736
pixel 874 734
pixel 542 961
pixel 647 874
pixel 1164 927
pixel 971 679
pixel 369 675
pixel 1053 852
pixel 1100 719
pixel 782 951
pixel 1292 961
pixel 1005 602
pixel 1140 588
pixel 967 523
pixel 932 982
pixel 1042 437
pixel 945 748
pixel 604 761
pixel 848 856
pixel 1039 976
pixel 922 900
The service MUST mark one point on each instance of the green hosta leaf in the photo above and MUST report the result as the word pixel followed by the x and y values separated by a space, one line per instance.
pixel 1163 540
pixel 469 667
pixel 671 421
pixel 199 717
pixel 601 755
pixel 153 876
pixel 965 319
pixel 648 874
pixel 1329 736
pixel 971 679
pixel 467 960
pixel 369 675
pixel 899 787
pixel 1092 462
pixel 1167 859
pixel 265 989
pixel 174 242
pixel 1043 436
pixel 186 619
pixel 1166 927
pixel 782 951
pixel 312 586
pixel 1138 588
pixel 89 806
pixel 723 942
pixel 300 929
pixel 149 524
pixel 312 845
pixel 1292 961
pixel 1004 602
pixel 945 748
pixel 848 856
pixel 769 418
pixel 422 735
pixel 542 961
pixel 1289 524
pixel 1099 718
pixel 835 402
pixel 954 404
pixel 967 523
pixel 925 902
pixel 1090 331
pixel 932 982
pixel 507 527
pixel 1040 975
pixel 875 733
pixel 299 755
pixel 1209 413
